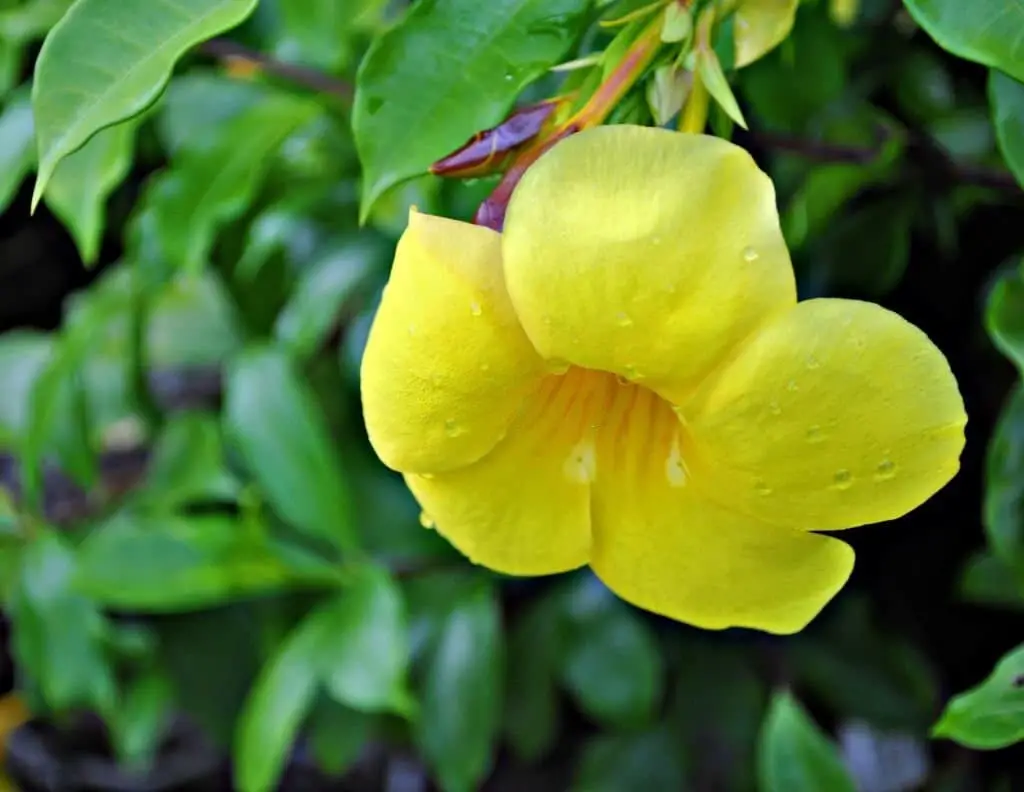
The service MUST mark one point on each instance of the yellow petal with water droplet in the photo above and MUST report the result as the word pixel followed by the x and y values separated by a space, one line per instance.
pixel 524 509
pixel 628 246
pixel 761 25
pixel 662 545
pixel 846 412
pixel 447 365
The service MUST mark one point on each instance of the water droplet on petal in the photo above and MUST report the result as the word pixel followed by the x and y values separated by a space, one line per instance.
pixel 485 367
pixel 581 466
pixel 675 470
pixel 886 470
pixel 814 434
pixel 630 371
pixel 475 309
pixel 762 488
pixel 622 380
pixel 412 329
pixel 843 479
pixel 749 254
pixel 452 428
pixel 623 319
pixel 427 521
pixel 792 386
pixel 558 366
pixel 656 240
pixel 546 320
pixel 813 362
pixel 774 408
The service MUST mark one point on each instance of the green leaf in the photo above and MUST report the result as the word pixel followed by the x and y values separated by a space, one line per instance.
pixel 1003 503
pixel 31 19
pixel 277 706
pixel 318 32
pixel 199 104
pixel 984 31
pixel 991 715
pixel 1004 316
pixel 140 720
pixel 17 141
pixel 795 755
pixel 461 709
pixel 987 580
pixel 167 563
pixel 105 62
pixel 532 705
pixel 367 669
pixel 321 293
pixel 193 323
pixel 207 188
pixel 612 664
pixel 78 191
pixel 58 633
pixel 188 463
pixel 449 69
pixel 337 734
pixel 1006 96
pixel 23 358
pixel 635 761
pixel 272 416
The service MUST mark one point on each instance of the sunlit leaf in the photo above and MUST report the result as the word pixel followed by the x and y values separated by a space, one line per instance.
pixel 990 715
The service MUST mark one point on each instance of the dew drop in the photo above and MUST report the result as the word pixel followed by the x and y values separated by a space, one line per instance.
pixel 774 408
pixel 656 240
pixel 412 329
pixel 814 434
pixel 485 367
pixel 675 470
pixel 427 521
pixel 749 254
pixel 762 488
pixel 546 320
pixel 475 309
pixel 886 470
pixel 452 429
pixel 581 466
pixel 843 479
pixel 622 380
pixel 623 319
pixel 558 366
pixel 813 362
pixel 792 386
pixel 427 476
pixel 630 371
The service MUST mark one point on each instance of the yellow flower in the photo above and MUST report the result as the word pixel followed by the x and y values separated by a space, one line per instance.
pixel 624 378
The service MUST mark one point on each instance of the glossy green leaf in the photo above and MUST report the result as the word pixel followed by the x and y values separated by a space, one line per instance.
pixel 991 715
pixel 984 31
pixel 322 291
pixel 1006 96
pixel 612 664
pixel 367 670
pixel 23 358
pixel 58 633
pixel 17 142
pixel 449 69
pixel 105 62
pixel 794 755
pixel 167 563
pixel 458 725
pixel 78 190
pixel 272 416
pixel 211 186
pixel 1004 317
pixel 989 581
pixel 633 761
pixel 532 700
pixel 1003 503
pixel 274 712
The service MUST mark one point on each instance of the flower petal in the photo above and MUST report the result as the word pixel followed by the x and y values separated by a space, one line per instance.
pixel 447 365
pixel 645 252
pixel 839 413
pixel 661 545
pixel 524 509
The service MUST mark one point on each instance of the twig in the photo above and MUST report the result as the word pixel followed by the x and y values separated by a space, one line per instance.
pixel 314 80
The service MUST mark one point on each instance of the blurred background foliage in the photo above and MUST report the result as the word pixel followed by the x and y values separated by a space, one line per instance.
pixel 208 579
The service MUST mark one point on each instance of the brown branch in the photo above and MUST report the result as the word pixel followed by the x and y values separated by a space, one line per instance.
pixel 312 79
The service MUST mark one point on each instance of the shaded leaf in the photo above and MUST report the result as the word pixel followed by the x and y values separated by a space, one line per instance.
pixel 1004 317
pixel 104 62
pixel 205 188
pixel 1003 502
pixel 984 31
pixel 986 580
pixel 991 715
pixel 198 104
pixel 79 188
pixel 272 416
pixel 635 761
pixel 794 755
pixel 23 357
pixel 337 734
pixel 140 720
pixel 447 70
pixel 17 154
pixel 461 708
pixel 1007 98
